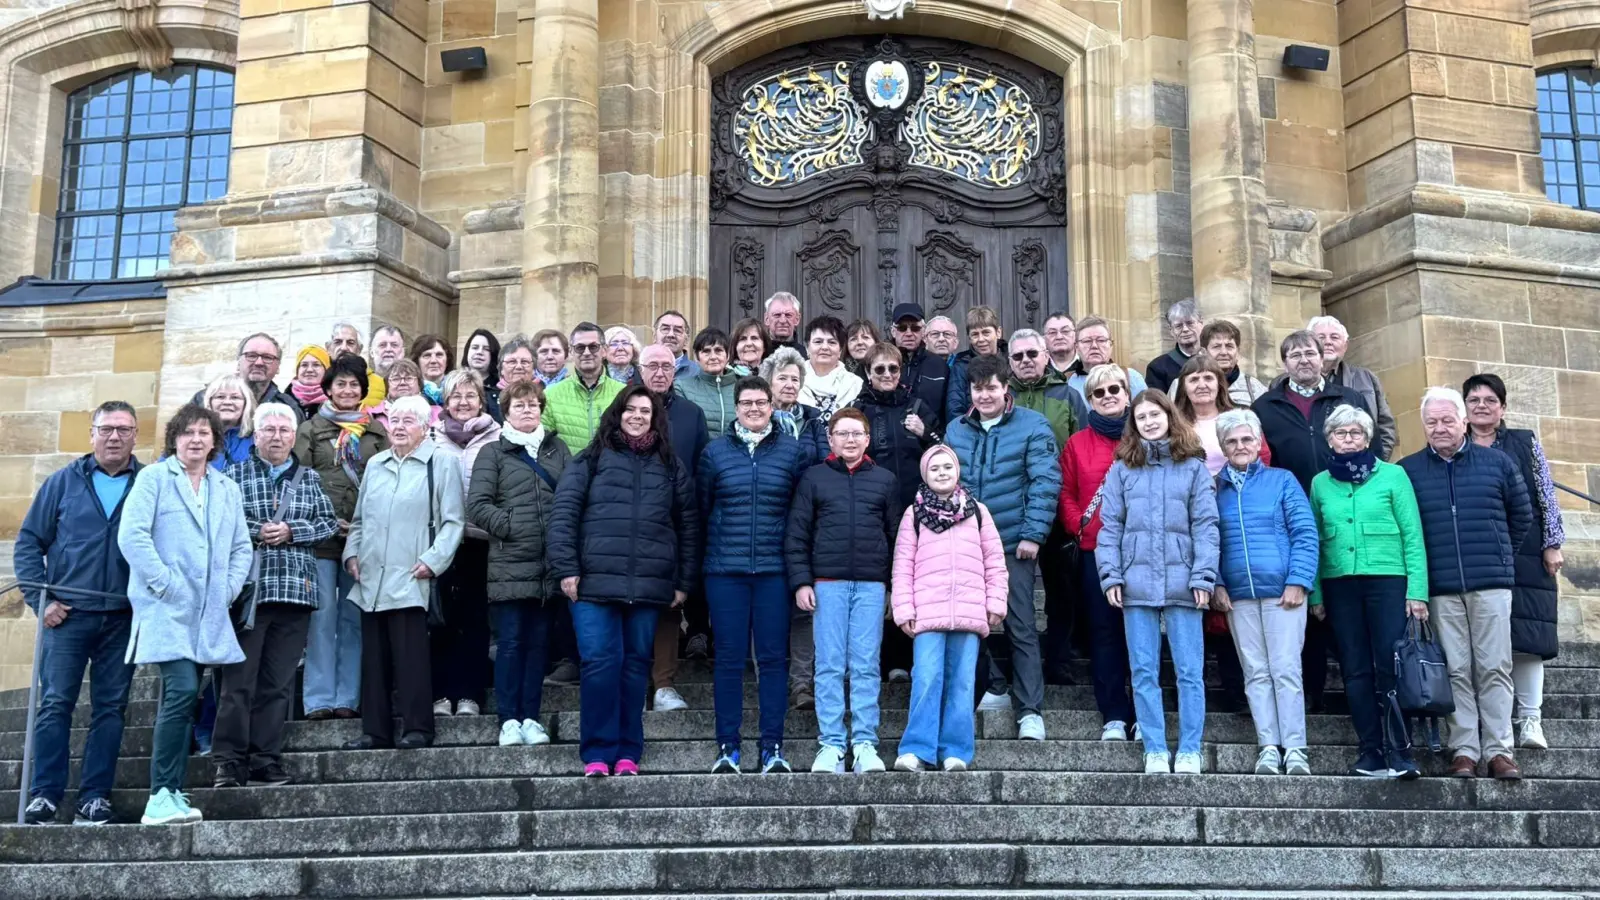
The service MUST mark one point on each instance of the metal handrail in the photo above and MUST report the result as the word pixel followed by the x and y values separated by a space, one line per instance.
pixel 1575 492
pixel 25 777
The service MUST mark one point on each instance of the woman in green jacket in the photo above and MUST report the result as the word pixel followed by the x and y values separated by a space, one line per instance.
pixel 1373 574
pixel 711 388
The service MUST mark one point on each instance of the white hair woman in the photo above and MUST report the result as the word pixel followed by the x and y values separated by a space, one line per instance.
pixel 1373 570
pixel 622 353
pixel 231 398
pixel 1267 567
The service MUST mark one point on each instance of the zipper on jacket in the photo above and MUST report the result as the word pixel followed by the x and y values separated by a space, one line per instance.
pixel 850 477
pixel 1244 538
pixel 754 479
pixel 633 528
pixel 1455 521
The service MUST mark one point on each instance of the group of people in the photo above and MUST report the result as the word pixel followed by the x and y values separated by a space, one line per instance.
pixel 843 508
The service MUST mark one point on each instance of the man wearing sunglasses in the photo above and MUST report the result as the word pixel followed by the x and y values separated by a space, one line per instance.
pixel 574 405
pixel 927 376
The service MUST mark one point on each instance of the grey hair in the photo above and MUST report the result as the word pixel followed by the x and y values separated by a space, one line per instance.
pixel 415 404
pixel 617 331
pixel 1327 320
pixel 260 334
pixel 517 342
pixel 782 297
pixel 1186 308
pixel 1301 338
pixel 112 406
pixel 1345 415
pixel 1235 419
pixel 1103 373
pixel 388 328
pixel 782 358
pixel 952 322
pixel 1444 395
pixel 340 326
pixel 273 411
pixel 1026 334
pixel 453 380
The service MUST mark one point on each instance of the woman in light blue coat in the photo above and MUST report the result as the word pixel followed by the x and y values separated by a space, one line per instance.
pixel 188 549
pixel 1157 560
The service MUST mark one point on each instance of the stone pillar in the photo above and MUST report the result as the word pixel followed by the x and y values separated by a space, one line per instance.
pixel 561 236
pixel 1228 196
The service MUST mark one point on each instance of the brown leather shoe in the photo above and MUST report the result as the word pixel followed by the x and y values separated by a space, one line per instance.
pixel 1463 767
pixel 345 712
pixel 319 715
pixel 1502 768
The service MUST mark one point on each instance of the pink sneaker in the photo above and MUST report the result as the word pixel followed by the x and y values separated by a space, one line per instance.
pixel 626 767
pixel 596 770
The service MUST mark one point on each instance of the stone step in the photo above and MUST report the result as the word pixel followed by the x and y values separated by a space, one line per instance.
pixel 691 757
pixel 682 828
pixel 697 724
pixel 1123 894
pixel 639 871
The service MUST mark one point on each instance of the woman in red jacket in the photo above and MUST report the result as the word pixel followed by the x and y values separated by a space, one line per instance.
pixel 1085 460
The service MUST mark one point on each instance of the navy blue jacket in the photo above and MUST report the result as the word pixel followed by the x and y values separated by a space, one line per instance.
pixel 66 539
pixel 842 524
pixel 1475 513
pixel 744 502
pixel 686 426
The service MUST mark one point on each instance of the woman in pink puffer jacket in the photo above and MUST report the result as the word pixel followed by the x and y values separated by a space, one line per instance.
pixel 949 590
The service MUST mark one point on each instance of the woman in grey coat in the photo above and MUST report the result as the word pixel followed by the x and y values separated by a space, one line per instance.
pixel 184 536
pixel 1157 558
pixel 395 559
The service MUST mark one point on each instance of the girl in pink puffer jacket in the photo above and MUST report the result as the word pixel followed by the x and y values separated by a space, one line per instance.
pixel 949 590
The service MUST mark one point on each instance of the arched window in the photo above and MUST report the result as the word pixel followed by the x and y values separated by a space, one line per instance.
pixel 139 145
pixel 1569 128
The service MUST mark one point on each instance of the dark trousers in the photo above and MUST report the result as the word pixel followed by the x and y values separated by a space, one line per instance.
pixel 1230 673
pixel 253 697
pixel 394 657
pixel 1367 615
pixel 1058 569
pixel 746 608
pixel 1108 648
pixel 524 629
pixel 561 641
pixel 696 614
pixel 1314 660
pixel 614 642
pixel 896 651
pixel 169 745
pixel 97 642
pixel 459 650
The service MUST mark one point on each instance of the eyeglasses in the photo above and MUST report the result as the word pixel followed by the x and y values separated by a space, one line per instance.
pixel 255 357
pixel 1110 390
pixel 514 365
pixel 1021 355
pixel 1350 434
pixel 115 430
pixel 585 349
pixel 886 369
pixel 904 327
pixel 762 403
pixel 944 335
pixel 664 328
pixel 1095 341
pixel 658 367
pixel 620 342
pixel 849 435
pixel 1304 354
pixel 1483 401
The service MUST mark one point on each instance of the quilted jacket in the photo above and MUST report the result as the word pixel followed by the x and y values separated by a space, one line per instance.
pixel 744 502
pixel 1011 468
pixel 1158 538
pixel 1475 513
pixel 951 580
pixel 1269 537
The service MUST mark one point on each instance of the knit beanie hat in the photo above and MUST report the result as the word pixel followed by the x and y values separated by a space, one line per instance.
pixel 935 450
pixel 315 352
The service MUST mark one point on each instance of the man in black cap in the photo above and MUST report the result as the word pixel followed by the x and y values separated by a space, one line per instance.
pixel 925 374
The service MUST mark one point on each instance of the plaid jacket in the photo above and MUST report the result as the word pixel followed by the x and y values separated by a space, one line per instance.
pixel 288 571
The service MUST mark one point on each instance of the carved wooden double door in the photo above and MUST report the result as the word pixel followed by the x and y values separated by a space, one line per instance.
pixel 860 173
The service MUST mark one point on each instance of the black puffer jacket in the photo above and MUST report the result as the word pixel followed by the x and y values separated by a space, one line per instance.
pixel 893 447
pixel 1297 444
pixel 628 527
pixel 1533 600
pixel 512 502
pixel 841 524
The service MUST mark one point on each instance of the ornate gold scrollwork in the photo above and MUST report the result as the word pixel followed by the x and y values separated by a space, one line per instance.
pixel 974 125
pixel 799 123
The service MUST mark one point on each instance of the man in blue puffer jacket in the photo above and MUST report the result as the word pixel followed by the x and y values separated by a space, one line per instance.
pixel 744 483
pixel 1267 568
pixel 1008 462
pixel 1475 512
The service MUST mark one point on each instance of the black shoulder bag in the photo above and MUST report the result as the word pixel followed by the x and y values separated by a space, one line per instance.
pixel 1421 686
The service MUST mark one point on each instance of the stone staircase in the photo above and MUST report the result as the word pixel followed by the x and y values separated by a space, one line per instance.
pixel 1067 819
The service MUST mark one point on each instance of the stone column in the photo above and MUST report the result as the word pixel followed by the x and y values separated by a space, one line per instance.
pixel 561 237
pixel 1228 197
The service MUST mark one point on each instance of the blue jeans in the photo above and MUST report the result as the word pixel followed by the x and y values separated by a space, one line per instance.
pixel 848 630
pixel 333 644
pixel 746 608
pixel 97 641
pixel 169 747
pixel 524 627
pixel 1186 637
pixel 939 726
pixel 614 644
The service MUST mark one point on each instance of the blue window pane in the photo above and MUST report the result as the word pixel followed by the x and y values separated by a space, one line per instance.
pixel 1569 124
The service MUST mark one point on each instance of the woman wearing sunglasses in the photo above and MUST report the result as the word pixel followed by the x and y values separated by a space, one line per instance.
pixel 1085 460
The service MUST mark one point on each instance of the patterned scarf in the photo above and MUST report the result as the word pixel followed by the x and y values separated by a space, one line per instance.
pixel 1354 468
pixel 1307 392
pixel 643 445
pixel 939 514
pixel 462 433
pixel 1236 477
pixel 790 420
pixel 433 392
pixel 751 438
pixel 352 426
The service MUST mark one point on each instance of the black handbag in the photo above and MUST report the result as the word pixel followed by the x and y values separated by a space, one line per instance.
pixel 435 603
pixel 243 610
pixel 1421 680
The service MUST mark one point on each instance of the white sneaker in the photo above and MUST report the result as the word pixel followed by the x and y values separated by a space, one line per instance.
pixel 1295 762
pixel 994 702
pixel 951 764
pixel 1269 762
pixel 1531 734
pixel 829 761
pixel 1115 730
pixel 1136 734
pixel 441 707
pixel 511 733
pixel 467 708
pixel 1156 764
pixel 1031 727
pixel 1186 764
pixel 907 762
pixel 867 760
pixel 533 733
pixel 669 700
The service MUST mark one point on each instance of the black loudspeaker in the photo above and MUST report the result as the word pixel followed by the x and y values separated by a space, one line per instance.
pixel 473 59
pixel 1297 56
